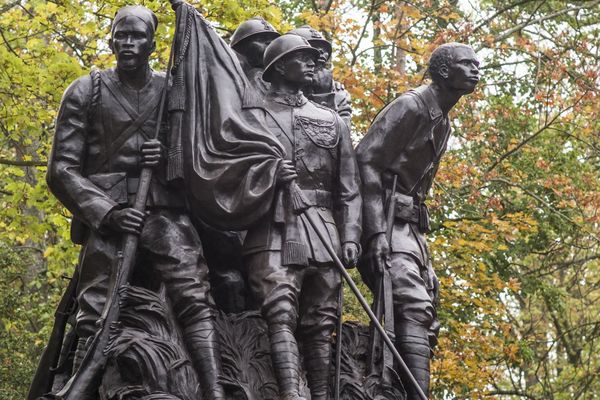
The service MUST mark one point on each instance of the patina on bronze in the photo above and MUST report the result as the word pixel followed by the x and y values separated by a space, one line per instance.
pixel 250 41
pixel 289 268
pixel 223 248
pixel 104 152
pixel 323 89
pixel 405 143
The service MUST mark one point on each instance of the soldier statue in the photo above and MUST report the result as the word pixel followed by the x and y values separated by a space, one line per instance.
pixel 323 89
pixel 103 139
pixel 249 41
pixel 404 146
pixel 223 248
pixel 298 286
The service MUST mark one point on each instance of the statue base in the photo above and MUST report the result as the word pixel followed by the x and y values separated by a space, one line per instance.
pixel 148 360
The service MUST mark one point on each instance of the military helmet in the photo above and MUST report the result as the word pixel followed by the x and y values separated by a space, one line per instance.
pixel 251 27
pixel 312 35
pixel 282 46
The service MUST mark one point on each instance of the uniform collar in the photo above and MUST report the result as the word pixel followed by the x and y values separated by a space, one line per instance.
pixel 426 94
pixel 292 100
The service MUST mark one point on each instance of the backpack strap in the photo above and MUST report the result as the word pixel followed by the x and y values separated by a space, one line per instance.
pixel 94 94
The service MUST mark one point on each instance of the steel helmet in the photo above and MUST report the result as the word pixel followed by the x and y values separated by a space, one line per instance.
pixel 312 35
pixel 251 27
pixel 282 46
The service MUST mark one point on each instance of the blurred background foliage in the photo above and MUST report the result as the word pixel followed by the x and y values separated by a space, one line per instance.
pixel 515 205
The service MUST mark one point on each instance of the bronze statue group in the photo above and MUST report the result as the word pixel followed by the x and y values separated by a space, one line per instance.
pixel 140 186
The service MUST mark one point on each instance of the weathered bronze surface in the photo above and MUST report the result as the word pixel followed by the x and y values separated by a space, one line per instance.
pixel 403 148
pixel 243 149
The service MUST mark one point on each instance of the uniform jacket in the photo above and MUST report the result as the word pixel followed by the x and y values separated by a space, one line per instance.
pixel 318 142
pixel 407 138
pixel 338 100
pixel 96 157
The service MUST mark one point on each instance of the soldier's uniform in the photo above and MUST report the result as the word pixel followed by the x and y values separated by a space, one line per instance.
pixel 338 98
pixel 93 169
pixel 303 299
pixel 407 139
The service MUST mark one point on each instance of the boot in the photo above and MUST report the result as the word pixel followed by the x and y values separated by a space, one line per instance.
pixel 79 353
pixel 412 343
pixel 286 361
pixel 202 341
pixel 317 360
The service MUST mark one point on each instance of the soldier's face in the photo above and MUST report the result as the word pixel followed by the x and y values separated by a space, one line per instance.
pixel 132 43
pixel 463 73
pixel 323 53
pixel 299 67
pixel 254 48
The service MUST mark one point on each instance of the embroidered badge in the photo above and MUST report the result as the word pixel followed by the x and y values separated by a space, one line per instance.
pixel 320 132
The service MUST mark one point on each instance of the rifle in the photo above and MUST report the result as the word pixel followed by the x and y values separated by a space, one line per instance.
pixel 48 366
pixel 383 302
pixel 313 219
pixel 84 383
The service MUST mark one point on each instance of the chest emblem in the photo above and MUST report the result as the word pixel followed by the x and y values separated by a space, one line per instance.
pixel 320 132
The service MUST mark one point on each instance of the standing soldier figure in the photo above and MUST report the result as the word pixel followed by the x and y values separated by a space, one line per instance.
pixel 102 141
pixel 296 280
pixel 223 248
pixel 407 140
pixel 323 89
pixel 249 41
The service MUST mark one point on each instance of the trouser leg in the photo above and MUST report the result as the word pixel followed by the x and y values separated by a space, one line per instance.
pixel 412 342
pixel 317 360
pixel 172 246
pixel 96 262
pixel 415 319
pixel 318 319
pixel 202 342
pixel 276 288
pixel 286 360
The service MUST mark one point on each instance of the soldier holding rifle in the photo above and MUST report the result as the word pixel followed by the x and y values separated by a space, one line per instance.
pixel 104 141
pixel 404 145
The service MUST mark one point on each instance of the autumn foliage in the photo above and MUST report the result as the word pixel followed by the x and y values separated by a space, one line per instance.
pixel 515 204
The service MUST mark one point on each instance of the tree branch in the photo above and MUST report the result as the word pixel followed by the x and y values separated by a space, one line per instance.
pixel 9 6
pixel 532 136
pixel 511 393
pixel 22 163
pixel 538 20
pixel 501 11
pixel 362 33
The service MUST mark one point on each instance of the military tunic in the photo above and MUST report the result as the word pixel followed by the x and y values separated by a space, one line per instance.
pixel 407 139
pixel 94 168
pixel 318 142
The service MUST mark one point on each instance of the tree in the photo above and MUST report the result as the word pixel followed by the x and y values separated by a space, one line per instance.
pixel 515 204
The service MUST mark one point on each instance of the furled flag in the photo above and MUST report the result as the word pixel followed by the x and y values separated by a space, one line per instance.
pixel 224 154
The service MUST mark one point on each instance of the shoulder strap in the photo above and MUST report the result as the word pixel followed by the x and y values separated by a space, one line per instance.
pixel 94 94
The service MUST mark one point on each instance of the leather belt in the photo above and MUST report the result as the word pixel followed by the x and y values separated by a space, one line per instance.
pixel 318 198
pixel 410 210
